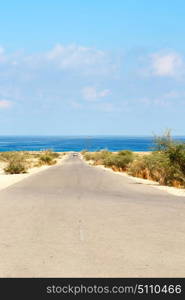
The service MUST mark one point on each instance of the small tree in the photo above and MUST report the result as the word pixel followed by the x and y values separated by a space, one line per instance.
pixel 162 143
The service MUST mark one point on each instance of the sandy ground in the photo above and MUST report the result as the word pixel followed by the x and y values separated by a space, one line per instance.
pixel 142 153
pixel 7 180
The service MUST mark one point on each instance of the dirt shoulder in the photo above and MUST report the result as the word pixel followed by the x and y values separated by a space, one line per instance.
pixel 7 180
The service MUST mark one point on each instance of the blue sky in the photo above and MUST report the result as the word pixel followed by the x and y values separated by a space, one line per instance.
pixel 74 67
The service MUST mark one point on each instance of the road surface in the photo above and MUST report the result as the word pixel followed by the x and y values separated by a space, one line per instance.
pixel 75 220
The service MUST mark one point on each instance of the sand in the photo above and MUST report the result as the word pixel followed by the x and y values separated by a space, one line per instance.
pixel 7 180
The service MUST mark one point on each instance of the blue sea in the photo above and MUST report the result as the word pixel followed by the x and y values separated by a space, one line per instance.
pixel 91 143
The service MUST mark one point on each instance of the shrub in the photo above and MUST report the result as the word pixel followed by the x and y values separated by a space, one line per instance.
pixel 19 162
pixel 52 154
pixel 48 157
pixel 163 142
pixel 158 167
pixel 103 153
pixel 137 168
pixel 97 156
pixel 15 167
pixel 84 151
pixel 125 152
pixel 174 151
pixel 5 156
pixel 87 156
pixel 165 165
pixel 121 160
pixel 124 158
pixel 109 160
pixel 16 162
pixel 176 154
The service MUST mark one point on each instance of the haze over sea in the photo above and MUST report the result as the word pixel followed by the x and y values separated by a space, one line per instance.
pixel 77 143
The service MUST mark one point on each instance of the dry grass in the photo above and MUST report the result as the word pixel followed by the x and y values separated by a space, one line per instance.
pixel 17 162
pixel 117 161
pixel 166 164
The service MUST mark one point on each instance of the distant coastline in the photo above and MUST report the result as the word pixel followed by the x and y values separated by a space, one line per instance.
pixel 77 143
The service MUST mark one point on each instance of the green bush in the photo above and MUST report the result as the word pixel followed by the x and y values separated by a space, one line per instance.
pixel 20 161
pixel 166 164
pixel 5 156
pixel 162 143
pixel 125 153
pixel 48 157
pixel 87 156
pixel 158 166
pixel 176 155
pixel 109 160
pixel 103 153
pixel 120 160
pixel 84 151
pixel 52 154
pixel 15 167
pixel 174 151
pixel 16 162
pixel 97 156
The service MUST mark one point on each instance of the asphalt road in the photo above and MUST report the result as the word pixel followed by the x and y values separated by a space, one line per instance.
pixel 76 220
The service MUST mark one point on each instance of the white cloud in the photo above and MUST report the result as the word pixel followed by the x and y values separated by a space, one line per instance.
pixel 2 54
pixel 1 50
pixel 54 75
pixel 5 104
pixel 108 107
pixel 87 61
pixel 91 94
pixel 169 64
pixel 73 56
pixel 173 94
pixel 166 99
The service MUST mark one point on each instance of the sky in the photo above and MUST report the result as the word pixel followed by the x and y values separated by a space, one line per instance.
pixel 82 67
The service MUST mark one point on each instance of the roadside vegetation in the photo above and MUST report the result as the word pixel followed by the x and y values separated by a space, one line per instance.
pixel 48 157
pixel 165 164
pixel 17 162
pixel 117 161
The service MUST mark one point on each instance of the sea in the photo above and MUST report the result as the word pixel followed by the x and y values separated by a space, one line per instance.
pixel 77 143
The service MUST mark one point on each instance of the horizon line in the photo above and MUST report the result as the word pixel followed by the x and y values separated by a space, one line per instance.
pixel 85 135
